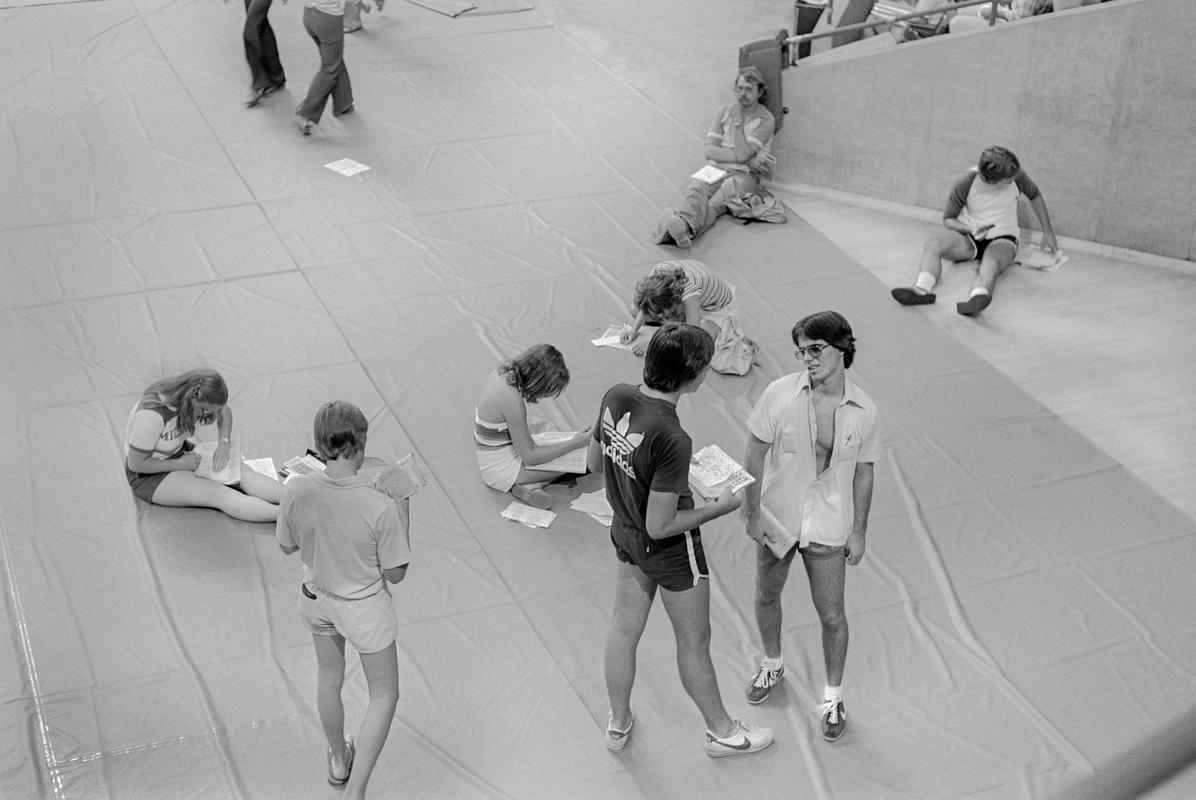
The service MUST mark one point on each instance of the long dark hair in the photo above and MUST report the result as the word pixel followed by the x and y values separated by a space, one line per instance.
pixel 536 373
pixel 182 392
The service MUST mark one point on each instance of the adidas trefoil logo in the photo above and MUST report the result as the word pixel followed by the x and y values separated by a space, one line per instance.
pixel 618 443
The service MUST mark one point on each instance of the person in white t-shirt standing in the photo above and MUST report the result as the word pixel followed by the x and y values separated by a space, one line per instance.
pixel 818 432
pixel 354 542
pixel 981 223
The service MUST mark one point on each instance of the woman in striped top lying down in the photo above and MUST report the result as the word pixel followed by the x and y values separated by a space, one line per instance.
pixel 507 456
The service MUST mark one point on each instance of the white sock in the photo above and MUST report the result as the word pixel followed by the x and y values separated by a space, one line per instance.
pixel 832 693
pixel 925 282
pixel 772 664
pixel 978 290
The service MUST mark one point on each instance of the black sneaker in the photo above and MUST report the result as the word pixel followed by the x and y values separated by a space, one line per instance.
pixel 761 685
pixel 834 720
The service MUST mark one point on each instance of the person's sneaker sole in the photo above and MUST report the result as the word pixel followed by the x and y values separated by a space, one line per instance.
pixel 974 305
pixel 680 232
pixel 909 297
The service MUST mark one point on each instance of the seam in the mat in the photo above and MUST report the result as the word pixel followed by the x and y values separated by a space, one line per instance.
pixel 43 728
pixel 984 660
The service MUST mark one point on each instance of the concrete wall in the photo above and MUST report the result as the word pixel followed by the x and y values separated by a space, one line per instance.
pixel 1099 103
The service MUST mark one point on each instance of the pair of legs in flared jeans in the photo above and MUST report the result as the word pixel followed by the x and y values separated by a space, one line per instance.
pixel 333 78
pixel 261 48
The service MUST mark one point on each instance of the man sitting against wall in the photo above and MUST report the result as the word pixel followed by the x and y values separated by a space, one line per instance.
pixel 737 150
pixel 981 223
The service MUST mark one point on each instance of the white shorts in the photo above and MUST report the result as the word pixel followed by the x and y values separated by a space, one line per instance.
pixel 370 625
pixel 499 467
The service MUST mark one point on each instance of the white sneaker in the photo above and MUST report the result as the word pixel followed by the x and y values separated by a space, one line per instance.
pixel 746 739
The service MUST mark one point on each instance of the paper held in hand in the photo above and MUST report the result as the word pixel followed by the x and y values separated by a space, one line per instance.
pixel 710 174
pixel 231 473
pixel 573 461
pixel 711 470
pixel 401 479
pixel 778 538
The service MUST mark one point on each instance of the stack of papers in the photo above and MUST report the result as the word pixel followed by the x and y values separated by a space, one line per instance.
pixel 1034 257
pixel 710 174
pixel 526 515
pixel 595 506
pixel 573 461
pixel 711 470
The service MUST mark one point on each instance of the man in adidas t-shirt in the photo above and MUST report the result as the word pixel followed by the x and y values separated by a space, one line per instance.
pixel 643 453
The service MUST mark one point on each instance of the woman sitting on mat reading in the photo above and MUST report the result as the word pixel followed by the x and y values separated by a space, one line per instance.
pixel 159 460
pixel 507 455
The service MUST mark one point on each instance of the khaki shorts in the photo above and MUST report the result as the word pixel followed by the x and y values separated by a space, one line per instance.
pixel 370 624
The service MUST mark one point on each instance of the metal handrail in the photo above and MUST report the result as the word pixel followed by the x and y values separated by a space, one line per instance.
pixel 863 26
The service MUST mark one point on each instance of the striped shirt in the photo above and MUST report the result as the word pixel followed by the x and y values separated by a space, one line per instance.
pixel 711 291
pixel 490 435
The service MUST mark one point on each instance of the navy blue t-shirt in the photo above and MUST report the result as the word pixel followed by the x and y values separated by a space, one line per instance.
pixel 644 449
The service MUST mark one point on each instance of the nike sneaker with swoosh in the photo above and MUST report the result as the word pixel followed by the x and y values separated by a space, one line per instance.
pixel 746 739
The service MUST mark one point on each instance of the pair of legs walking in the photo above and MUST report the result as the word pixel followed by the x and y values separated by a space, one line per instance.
pixel 261 51
pixel 995 257
pixel 256 502
pixel 826 569
pixel 382 678
pixel 689 613
pixel 332 79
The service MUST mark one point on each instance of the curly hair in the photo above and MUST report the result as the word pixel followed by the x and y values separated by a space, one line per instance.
pixel 659 295
pixel 536 373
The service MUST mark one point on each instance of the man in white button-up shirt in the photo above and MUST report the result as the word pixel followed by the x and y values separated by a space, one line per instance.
pixel 814 439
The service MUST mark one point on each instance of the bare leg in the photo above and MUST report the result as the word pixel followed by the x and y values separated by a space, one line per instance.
pixel 947 244
pixel 255 484
pixel 382 677
pixel 771 574
pixel 997 258
pixel 330 663
pixel 828 578
pixel 634 593
pixel 689 611
pixel 187 489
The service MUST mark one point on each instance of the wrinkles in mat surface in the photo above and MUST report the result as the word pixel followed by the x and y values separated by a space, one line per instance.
pixel 1022 614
